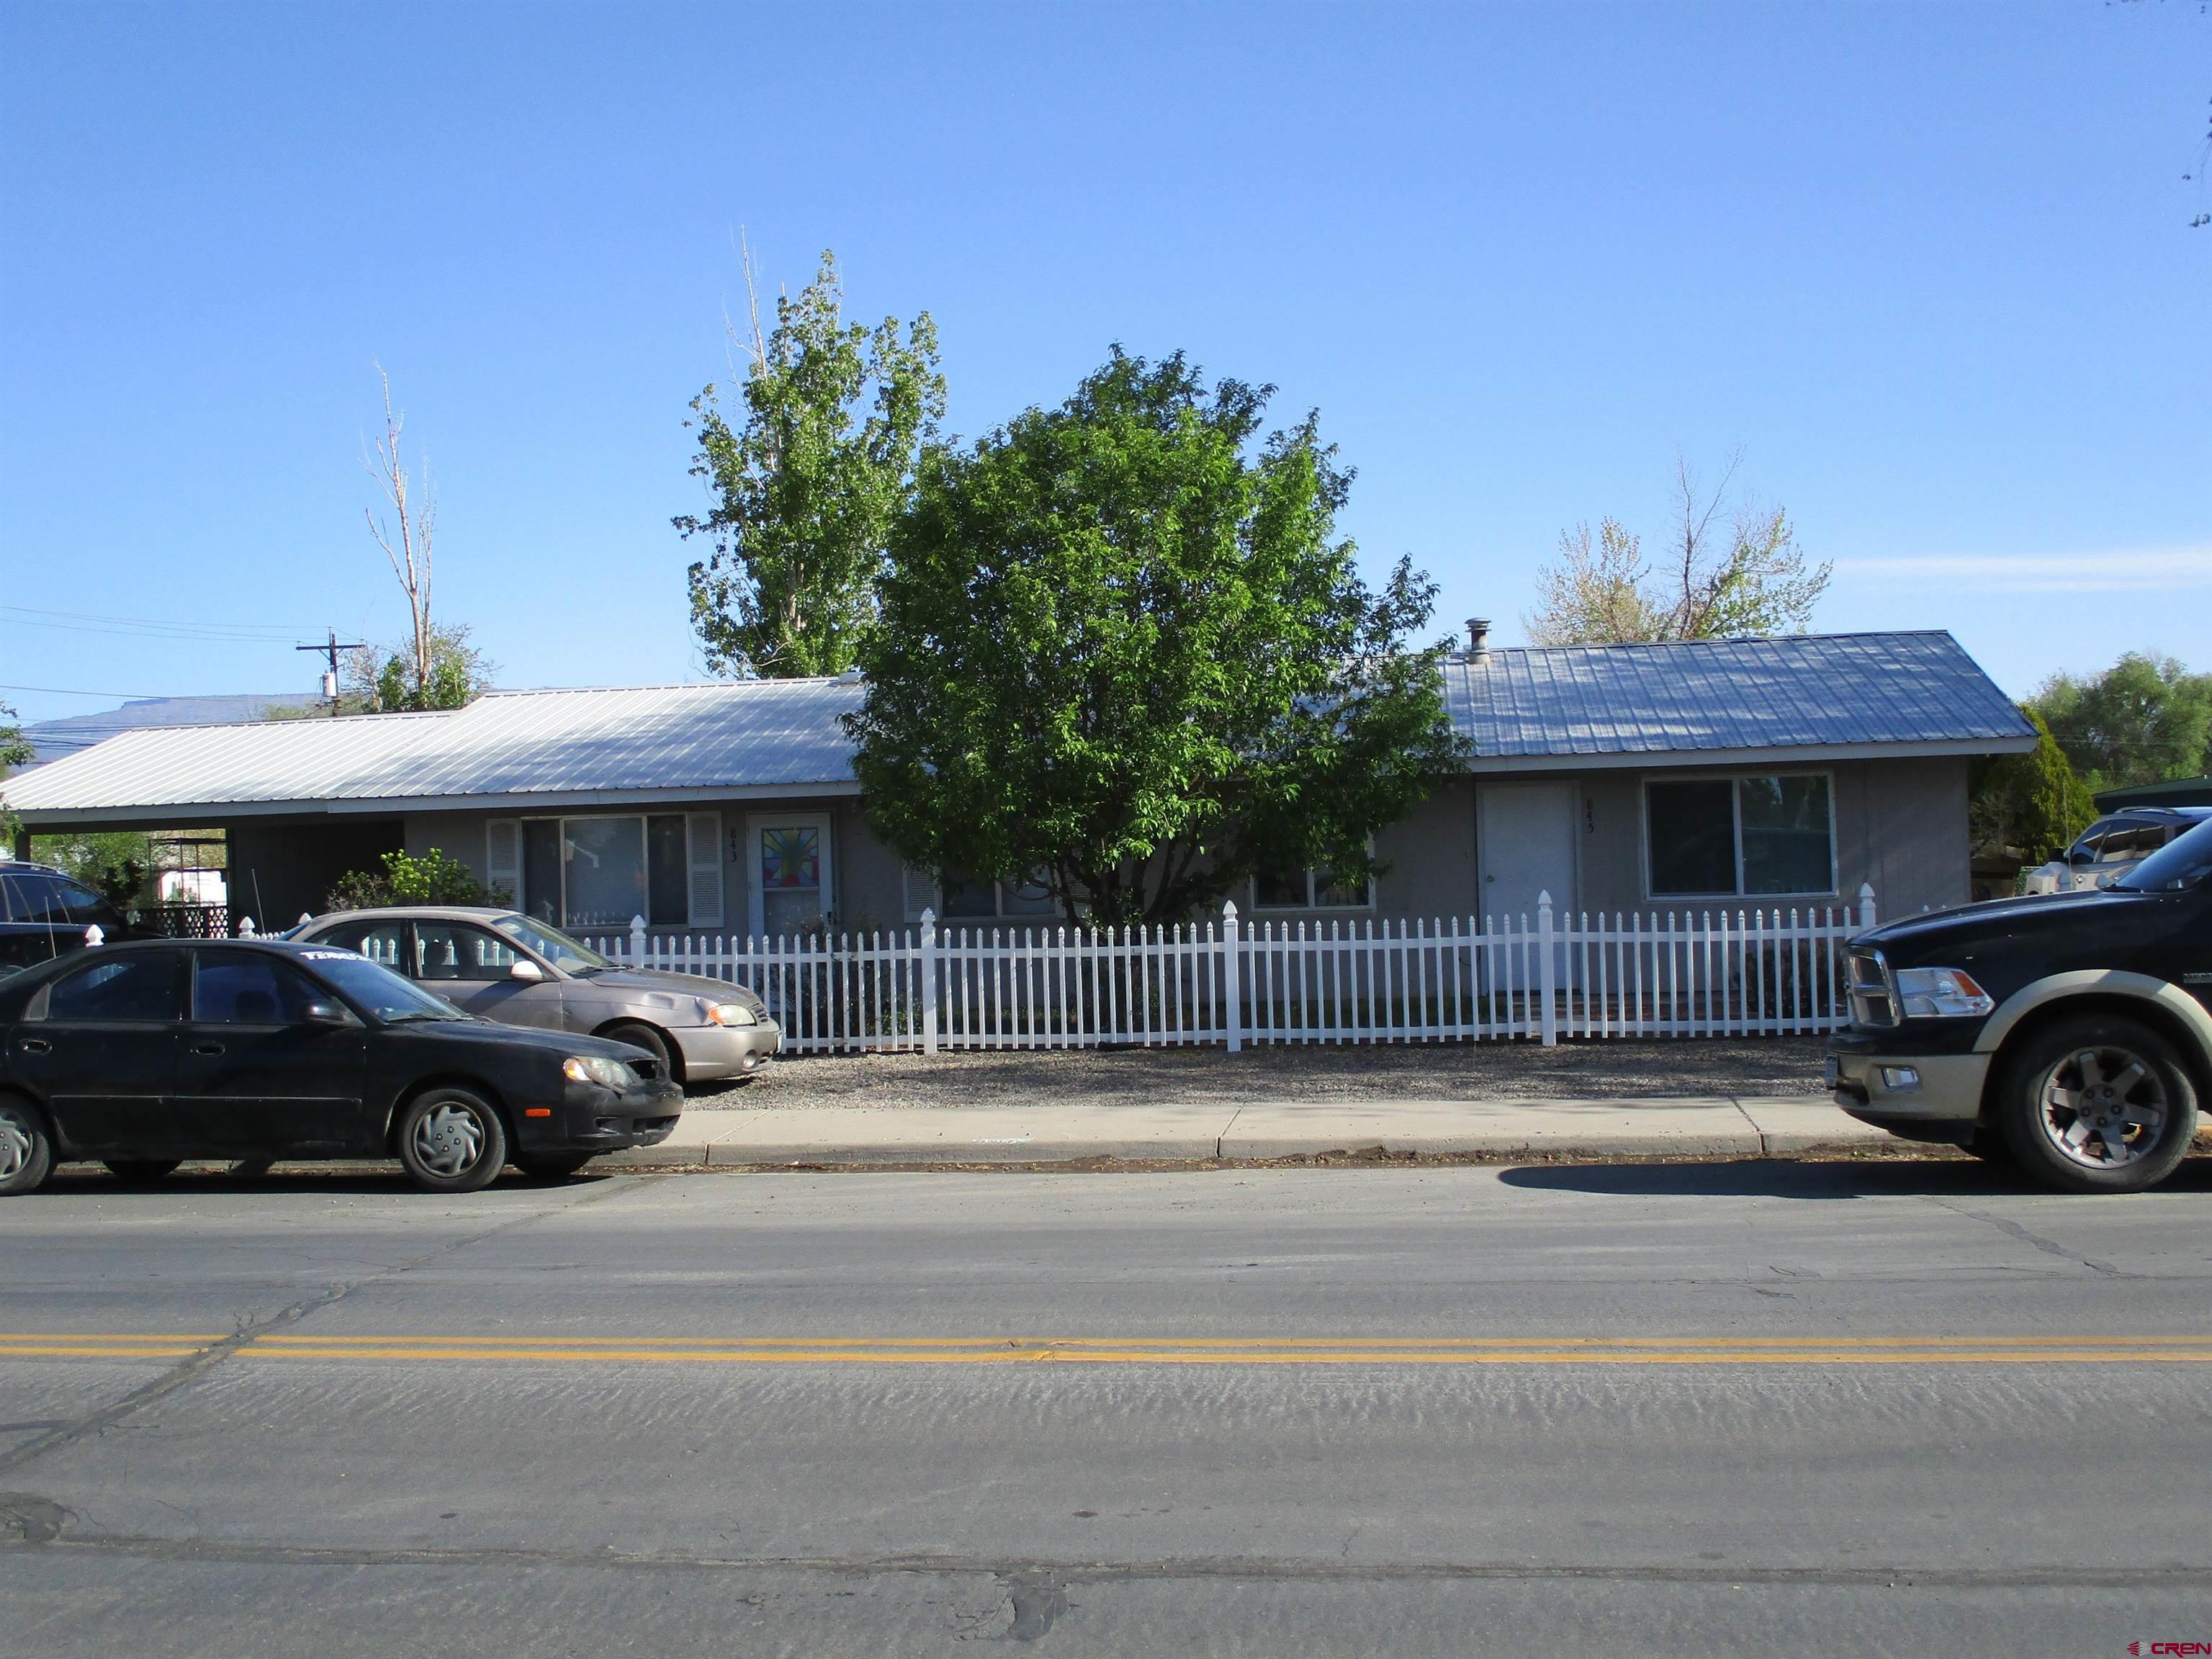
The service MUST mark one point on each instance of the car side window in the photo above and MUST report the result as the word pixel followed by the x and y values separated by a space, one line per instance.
pixel 384 942
pixel 247 990
pixel 140 988
pixel 52 901
pixel 454 951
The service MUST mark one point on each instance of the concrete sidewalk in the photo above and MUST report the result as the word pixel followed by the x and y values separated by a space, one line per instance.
pixel 1719 1127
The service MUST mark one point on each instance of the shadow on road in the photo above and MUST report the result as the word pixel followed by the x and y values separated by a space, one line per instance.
pixel 1787 1178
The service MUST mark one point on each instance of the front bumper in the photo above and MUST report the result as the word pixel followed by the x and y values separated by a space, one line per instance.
pixel 714 1052
pixel 1924 1096
pixel 593 1119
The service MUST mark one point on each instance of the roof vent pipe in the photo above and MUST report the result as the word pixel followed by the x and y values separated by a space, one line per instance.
pixel 1478 637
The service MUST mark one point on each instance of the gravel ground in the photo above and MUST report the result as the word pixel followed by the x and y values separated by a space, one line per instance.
pixel 1467 1071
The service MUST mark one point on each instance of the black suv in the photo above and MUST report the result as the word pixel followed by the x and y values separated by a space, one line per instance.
pixel 44 913
pixel 2072 1033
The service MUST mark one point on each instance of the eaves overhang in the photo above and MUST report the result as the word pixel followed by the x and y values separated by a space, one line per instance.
pixel 1782 755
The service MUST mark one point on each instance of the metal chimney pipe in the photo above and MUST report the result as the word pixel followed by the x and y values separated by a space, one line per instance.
pixel 1478 637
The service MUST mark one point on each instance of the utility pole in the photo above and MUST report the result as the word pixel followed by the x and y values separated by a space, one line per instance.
pixel 330 652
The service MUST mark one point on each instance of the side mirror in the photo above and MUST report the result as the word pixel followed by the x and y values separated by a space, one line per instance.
pixel 323 1013
pixel 2080 857
pixel 525 970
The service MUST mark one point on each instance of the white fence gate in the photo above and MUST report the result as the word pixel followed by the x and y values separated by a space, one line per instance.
pixel 1747 973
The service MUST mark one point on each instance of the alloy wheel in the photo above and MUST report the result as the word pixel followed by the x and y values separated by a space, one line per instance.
pixel 448 1140
pixel 2102 1106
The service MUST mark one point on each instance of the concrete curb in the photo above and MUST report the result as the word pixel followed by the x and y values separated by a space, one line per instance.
pixel 1715 1128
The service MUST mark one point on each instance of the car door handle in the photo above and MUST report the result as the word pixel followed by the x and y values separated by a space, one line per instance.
pixel 207 1047
pixel 35 1046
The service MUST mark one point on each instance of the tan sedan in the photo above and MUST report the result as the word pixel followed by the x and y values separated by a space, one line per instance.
pixel 508 967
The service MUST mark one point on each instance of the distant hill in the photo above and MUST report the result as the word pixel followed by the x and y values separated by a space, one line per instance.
pixel 54 739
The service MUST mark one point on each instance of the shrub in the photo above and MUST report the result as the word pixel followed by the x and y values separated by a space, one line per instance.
pixel 434 879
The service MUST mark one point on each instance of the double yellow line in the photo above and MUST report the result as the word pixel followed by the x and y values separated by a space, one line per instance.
pixel 1137 1351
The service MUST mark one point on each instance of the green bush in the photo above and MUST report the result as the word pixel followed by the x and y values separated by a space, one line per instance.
pixel 434 879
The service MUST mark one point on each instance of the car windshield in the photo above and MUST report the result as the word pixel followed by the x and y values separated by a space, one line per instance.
pixel 555 946
pixel 2181 864
pixel 376 990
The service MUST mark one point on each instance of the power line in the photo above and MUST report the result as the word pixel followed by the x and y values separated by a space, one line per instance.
pixel 273 629
pixel 151 632
pixel 64 691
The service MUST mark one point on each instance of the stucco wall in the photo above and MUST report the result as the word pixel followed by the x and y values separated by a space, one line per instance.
pixel 281 868
pixel 1899 824
pixel 867 888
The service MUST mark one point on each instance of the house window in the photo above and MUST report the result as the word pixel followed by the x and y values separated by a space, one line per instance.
pixel 1309 889
pixel 987 900
pixel 598 872
pixel 1723 837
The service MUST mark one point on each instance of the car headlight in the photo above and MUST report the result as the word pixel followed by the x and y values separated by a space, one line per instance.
pixel 731 1013
pixel 1941 994
pixel 594 1068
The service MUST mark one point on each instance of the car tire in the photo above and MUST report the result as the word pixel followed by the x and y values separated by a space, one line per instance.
pixel 2100 1103
pixel 141 1169
pixel 640 1035
pixel 550 1166
pixel 451 1141
pixel 26 1150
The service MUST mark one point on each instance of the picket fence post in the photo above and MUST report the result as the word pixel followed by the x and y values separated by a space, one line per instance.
pixel 637 941
pixel 1551 1017
pixel 246 927
pixel 929 981
pixel 1866 904
pixel 1230 1022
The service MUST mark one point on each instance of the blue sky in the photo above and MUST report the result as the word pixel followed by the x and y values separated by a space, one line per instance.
pixel 1930 266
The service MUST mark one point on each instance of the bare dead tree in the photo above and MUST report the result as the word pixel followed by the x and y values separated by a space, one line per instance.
pixel 409 546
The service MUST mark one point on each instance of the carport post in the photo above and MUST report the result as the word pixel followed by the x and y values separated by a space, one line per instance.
pixel 929 981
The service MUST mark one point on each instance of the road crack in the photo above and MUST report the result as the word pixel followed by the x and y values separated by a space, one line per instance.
pixel 190 1369
pixel 2048 1246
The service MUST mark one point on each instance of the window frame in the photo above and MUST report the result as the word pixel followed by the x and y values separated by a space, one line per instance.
pixel 1735 780
pixel 1313 893
pixel 700 848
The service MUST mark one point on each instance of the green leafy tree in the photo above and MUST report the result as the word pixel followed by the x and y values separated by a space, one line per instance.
pixel 385 682
pixel 2033 803
pixel 14 750
pixel 1122 651
pixel 1731 568
pixel 2143 719
pixel 432 878
pixel 806 485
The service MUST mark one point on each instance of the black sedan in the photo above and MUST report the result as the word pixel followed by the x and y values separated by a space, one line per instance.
pixel 142 1055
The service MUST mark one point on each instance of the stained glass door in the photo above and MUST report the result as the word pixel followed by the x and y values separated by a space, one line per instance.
pixel 789 873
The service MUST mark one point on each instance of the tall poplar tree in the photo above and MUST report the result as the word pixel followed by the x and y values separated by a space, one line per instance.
pixel 806 483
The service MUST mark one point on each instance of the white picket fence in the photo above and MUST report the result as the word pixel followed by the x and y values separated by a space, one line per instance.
pixel 1738 972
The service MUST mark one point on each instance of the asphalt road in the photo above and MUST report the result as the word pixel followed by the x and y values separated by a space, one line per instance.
pixel 1730 1409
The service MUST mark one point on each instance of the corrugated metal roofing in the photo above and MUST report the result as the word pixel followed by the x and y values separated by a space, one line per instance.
pixel 1808 690
pixel 730 735
pixel 1839 691
pixel 67 734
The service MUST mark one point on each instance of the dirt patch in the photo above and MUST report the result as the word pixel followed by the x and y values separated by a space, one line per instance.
pixel 1463 1071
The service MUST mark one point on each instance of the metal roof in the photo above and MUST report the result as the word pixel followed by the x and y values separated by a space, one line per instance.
pixel 1802 698
pixel 1896 692
pixel 68 733
pixel 729 739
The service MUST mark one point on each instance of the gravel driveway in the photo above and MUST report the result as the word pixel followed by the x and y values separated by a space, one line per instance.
pixel 1463 1071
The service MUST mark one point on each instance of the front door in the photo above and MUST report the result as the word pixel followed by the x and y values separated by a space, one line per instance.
pixel 104 1054
pixel 255 1080
pixel 1526 838
pixel 787 872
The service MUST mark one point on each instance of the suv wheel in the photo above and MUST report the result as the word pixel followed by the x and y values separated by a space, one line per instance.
pixel 2100 1104
pixel 26 1152
pixel 452 1141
